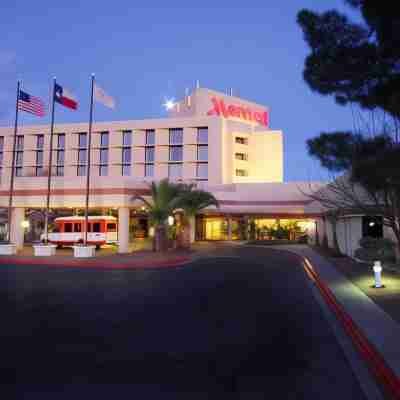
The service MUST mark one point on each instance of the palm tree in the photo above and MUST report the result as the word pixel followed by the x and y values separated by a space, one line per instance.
pixel 191 201
pixel 164 196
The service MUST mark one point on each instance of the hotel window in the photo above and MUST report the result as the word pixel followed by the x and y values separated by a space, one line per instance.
pixel 175 171
pixel 39 171
pixel 176 136
pixel 149 152
pixel 150 137
pixel 202 135
pixel 176 153
pixel 241 156
pixel 126 152
pixel 103 154
pixel 1 155
pixel 149 170
pixel 241 140
pixel 60 154
pixel 82 153
pixel 242 172
pixel 202 171
pixel 19 157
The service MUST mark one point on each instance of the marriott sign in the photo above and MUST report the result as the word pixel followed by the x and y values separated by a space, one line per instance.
pixel 236 111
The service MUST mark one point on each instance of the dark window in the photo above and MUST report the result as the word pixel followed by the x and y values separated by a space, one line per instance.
pixel 150 137
pixel 81 170
pixel 1 154
pixel 202 171
pixel 202 135
pixel 61 141
pixel 96 227
pixel 241 172
pixel 241 140
pixel 241 156
pixel 149 154
pixel 126 155
pixel 39 171
pixel 126 170
pixel 127 138
pixel 77 227
pixel 20 142
pixel 111 227
pixel 39 157
pixel 176 136
pixel 39 141
pixel 103 170
pixel 68 227
pixel 82 140
pixel 175 171
pixel 104 139
pixel 59 171
pixel 176 153
pixel 202 153
pixel 149 170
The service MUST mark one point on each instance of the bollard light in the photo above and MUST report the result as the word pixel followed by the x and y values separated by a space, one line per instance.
pixel 378 274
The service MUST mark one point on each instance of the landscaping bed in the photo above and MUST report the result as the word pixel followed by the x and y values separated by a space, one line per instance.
pixel 361 275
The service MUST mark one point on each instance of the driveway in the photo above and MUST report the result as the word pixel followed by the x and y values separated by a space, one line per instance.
pixel 245 326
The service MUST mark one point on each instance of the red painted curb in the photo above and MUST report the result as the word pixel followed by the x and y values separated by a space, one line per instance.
pixel 100 264
pixel 376 363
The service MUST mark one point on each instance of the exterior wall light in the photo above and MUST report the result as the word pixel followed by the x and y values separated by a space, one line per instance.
pixel 25 224
pixel 378 274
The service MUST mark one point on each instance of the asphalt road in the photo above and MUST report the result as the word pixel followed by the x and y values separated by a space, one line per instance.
pixel 245 327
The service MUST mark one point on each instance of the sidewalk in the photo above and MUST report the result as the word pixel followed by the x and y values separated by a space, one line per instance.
pixel 377 326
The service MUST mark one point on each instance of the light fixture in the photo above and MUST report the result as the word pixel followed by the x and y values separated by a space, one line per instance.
pixel 372 223
pixel 169 104
pixel 25 224
pixel 378 274
pixel 170 220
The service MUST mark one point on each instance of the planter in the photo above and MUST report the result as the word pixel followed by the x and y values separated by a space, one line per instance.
pixel 84 251
pixel 44 250
pixel 8 249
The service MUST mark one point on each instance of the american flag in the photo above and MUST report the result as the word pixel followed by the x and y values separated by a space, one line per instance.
pixel 31 104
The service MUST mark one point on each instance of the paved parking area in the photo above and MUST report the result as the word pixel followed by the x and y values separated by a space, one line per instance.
pixel 245 326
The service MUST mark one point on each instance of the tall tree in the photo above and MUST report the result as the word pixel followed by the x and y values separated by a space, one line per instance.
pixel 355 62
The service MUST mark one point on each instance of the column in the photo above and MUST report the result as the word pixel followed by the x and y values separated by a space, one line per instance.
pixel 192 224
pixel 17 230
pixel 229 228
pixel 123 230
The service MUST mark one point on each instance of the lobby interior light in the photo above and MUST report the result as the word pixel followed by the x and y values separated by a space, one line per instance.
pixel 25 224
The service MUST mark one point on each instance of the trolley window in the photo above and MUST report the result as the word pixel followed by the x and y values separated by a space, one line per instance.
pixel 111 227
pixel 97 227
pixel 77 227
pixel 68 227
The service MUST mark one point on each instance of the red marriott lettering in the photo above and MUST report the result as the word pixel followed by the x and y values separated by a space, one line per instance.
pixel 231 110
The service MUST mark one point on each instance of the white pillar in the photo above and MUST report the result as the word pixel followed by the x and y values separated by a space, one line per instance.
pixel 17 230
pixel 192 224
pixel 229 228
pixel 123 230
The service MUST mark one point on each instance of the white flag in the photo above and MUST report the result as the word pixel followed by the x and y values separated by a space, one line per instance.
pixel 102 97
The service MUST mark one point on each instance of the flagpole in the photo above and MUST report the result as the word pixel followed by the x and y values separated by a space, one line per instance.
pixel 88 162
pixel 11 193
pixel 46 217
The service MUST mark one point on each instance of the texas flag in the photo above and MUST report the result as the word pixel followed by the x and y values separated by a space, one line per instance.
pixel 63 97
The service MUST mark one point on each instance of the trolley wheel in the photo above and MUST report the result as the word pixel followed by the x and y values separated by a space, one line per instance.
pixel 98 246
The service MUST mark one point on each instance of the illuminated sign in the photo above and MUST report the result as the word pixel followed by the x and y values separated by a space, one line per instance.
pixel 232 110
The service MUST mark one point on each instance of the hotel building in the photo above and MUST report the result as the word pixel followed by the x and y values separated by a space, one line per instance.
pixel 222 143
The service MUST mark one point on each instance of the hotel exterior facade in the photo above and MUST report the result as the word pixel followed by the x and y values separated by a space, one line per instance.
pixel 222 143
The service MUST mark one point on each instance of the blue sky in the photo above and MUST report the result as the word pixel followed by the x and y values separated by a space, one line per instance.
pixel 144 53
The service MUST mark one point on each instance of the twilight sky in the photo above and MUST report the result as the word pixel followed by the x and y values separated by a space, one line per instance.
pixel 144 53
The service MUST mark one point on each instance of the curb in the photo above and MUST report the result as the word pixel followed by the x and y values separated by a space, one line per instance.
pixel 374 360
pixel 95 264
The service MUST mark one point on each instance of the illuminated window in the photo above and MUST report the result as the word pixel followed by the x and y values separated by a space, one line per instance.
pixel 241 156
pixel 241 140
pixel 242 172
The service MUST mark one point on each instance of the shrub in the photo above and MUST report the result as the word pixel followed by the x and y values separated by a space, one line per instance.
pixel 372 249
